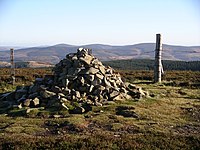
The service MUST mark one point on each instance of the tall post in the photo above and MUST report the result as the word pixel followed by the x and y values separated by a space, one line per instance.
pixel 158 62
pixel 12 68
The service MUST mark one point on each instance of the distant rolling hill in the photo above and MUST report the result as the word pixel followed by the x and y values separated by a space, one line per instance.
pixel 53 54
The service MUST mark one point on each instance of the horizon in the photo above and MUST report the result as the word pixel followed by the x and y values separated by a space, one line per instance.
pixel 21 47
pixel 94 44
pixel 32 23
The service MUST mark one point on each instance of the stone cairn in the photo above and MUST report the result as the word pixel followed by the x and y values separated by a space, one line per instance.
pixel 80 80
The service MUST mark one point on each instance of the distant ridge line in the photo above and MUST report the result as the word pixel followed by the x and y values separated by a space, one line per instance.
pixel 53 54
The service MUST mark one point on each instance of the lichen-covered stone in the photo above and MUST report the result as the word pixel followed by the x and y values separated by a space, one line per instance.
pixel 79 78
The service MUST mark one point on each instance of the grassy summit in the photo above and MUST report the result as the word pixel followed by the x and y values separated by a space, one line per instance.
pixel 168 120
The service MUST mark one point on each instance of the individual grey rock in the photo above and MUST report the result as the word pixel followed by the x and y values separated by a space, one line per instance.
pixel 113 84
pixel 109 70
pixel 119 82
pixel 73 97
pixel 118 97
pixel 132 92
pixel 66 62
pixel 19 106
pixel 91 88
pixel 102 88
pixel 62 75
pixel 74 58
pixel 60 79
pixel 97 92
pixel 28 110
pixel 90 77
pixel 27 102
pixel 90 70
pixel 8 97
pixel 80 49
pixel 56 89
pixel 39 80
pixel 82 80
pixel 33 109
pixel 99 76
pixel 33 88
pixel 114 94
pixel 89 102
pixel 66 91
pixel 101 98
pixel 23 98
pixel 146 93
pixel 98 104
pixel 57 116
pixel 96 82
pixel 78 110
pixel 71 71
pixel 131 86
pixel 102 69
pixel 76 64
pixel 48 79
pixel 64 106
pixel 95 98
pixel 42 87
pixel 63 100
pixel 83 95
pixel 33 95
pixel 142 92
pixel 4 104
pixel 20 93
pixel 95 66
pixel 127 97
pixel 77 94
pixel 108 103
pixel 106 82
pixel 47 94
pixel 123 90
pixel 61 95
pixel 83 89
pixel 35 102
pixel 3 96
pixel 87 59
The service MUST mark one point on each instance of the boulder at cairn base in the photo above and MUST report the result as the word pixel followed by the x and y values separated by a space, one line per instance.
pixel 79 78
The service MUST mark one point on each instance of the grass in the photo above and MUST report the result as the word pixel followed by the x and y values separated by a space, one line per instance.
pixel 170 119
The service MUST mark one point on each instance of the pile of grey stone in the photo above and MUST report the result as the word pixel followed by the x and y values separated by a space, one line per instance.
pixel 80 79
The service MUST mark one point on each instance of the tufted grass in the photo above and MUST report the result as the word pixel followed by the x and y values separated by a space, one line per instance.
pixel 170 119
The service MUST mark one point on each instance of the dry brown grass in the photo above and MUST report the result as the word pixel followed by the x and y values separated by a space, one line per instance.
pixel 168 120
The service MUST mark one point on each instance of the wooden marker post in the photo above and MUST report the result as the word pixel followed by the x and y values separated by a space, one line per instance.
pixel 12 68
pixel 158 69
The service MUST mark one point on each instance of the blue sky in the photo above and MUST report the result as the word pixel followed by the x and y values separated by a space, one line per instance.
pixel 116 22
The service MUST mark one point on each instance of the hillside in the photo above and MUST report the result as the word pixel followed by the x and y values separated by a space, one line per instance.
pixel 52 54
pixel 26 64
pixel 147 64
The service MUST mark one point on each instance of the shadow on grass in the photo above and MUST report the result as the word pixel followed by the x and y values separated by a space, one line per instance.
pixel 144 82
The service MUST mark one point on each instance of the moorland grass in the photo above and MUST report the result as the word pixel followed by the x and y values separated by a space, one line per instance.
pixel 169 119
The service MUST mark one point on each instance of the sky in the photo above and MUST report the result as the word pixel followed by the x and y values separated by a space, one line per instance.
pixel 114 22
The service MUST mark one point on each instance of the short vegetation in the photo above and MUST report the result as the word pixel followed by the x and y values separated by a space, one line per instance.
pixel 147 64
pixel 168 119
